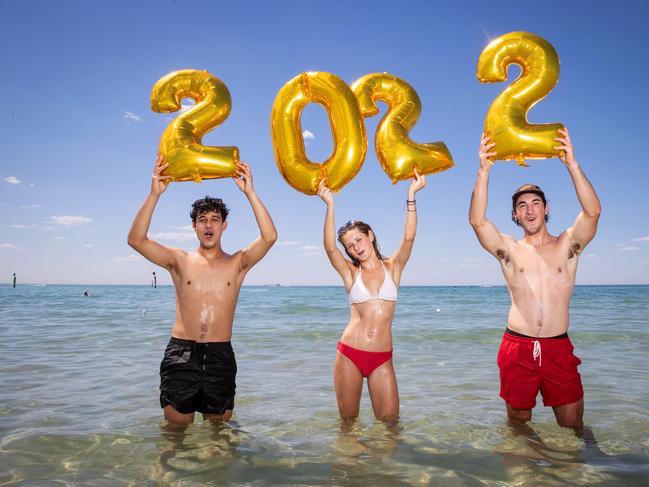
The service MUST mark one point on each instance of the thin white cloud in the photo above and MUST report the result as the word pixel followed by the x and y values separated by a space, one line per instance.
pixel 311 250
pixel 641 239
pixel 175 236
pixel 307 134
pixel 628 249
pixel 13 180
pixel 288 242
pixel 7 246
pixel 88 245
pixel 129 258
pixel 22 226
pixel 184 228
pixel 590 256
pixel 132 116
pixel 70 221
pixel 30 206
pixel 32 185
pixel 58 238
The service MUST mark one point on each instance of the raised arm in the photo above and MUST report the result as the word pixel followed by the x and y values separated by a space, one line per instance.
pixel 336 257
pixel 137 236
pixel 585 225
pixel 262 244
pixel 401 256
pixel 488 235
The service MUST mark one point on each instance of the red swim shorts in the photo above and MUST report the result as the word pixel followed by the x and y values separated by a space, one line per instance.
pixel 528 365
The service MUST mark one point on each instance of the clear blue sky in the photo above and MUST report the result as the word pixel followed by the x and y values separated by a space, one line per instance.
pixel 79 138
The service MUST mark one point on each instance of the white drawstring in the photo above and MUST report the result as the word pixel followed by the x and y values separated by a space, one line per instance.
pixel 537 351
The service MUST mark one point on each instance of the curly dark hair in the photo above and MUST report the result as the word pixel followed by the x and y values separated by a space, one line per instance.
pixel 363 227
pixel 209 204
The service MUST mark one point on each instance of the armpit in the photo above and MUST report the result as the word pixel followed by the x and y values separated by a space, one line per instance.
pixel 573 250
pixel 501 254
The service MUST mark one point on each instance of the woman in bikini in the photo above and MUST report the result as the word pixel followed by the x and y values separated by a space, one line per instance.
pixel 371 280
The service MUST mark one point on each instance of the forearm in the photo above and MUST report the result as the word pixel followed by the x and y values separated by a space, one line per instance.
pixel 478 208
pixel 142 221
pixel 329 233
pixel 411 217
pixel 585 192
pixel 264 221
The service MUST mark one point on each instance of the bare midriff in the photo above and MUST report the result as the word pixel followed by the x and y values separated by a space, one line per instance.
pixel 370 326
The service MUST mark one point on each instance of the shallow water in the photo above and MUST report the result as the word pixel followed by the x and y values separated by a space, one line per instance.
pixel 79 396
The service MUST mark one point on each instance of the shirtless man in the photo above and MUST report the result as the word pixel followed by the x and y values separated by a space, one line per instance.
pixel 198 370
pixel 536 353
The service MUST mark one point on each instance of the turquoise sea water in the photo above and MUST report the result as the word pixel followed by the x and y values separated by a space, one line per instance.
pixel 79 393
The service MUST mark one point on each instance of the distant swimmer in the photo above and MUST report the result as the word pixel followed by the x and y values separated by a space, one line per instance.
pixel 372 282
pixel 85 293
pixel 199 368
pixel 14 279
pixel 540 269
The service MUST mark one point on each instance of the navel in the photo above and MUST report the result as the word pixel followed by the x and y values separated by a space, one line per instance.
pixel 189 283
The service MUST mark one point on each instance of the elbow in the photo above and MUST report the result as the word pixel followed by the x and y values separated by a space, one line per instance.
pixel 596 212
pixel 476 222
pixel 330 249
pixel 270 237
pixel 134 242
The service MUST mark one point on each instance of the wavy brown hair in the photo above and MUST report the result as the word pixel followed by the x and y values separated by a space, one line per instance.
pixel 363 227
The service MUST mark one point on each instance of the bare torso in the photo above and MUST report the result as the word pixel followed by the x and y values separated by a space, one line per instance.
pixel 370 323
pixel 206 296
pixel 540 280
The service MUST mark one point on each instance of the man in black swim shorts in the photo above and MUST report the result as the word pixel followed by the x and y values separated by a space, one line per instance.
pixel 198 370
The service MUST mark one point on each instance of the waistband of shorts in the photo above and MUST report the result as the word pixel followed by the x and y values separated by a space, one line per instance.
pixel 509 333
pixel 195 344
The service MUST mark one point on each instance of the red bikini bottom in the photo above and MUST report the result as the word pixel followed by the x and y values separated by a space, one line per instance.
pixel 365 361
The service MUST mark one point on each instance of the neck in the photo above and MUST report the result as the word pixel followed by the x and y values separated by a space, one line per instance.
pixel 213 253
pixel 372 263
pixel 539 238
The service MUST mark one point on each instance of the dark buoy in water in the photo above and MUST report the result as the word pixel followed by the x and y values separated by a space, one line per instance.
pixel 154 283
pixel 14 279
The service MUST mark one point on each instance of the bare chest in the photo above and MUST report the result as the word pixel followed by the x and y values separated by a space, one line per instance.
pixel 200 277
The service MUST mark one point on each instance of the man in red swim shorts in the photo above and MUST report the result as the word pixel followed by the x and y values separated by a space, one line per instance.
pixel 536 353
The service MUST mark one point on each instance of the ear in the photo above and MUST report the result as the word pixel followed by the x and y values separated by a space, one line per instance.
pixel 371 235
pixel 194 225
pixel 225 225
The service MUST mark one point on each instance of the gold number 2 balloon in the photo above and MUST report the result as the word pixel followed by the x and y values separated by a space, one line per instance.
pixel 506 121
pixel 180 144
pixel 398 154
pixel 347 127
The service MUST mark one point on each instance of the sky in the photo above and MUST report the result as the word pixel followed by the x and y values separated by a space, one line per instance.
pixel 79 138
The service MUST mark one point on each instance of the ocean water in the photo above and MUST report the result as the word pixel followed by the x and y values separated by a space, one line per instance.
pixel 79 393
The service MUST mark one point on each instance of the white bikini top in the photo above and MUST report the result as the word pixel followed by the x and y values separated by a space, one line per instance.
pixel 359 293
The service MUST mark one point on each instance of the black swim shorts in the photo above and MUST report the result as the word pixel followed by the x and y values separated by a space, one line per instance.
pixel 198 376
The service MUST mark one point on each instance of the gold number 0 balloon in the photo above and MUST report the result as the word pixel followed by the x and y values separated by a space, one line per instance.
pixel 347 127
pixel 180 143
pixel 506 120
pixel 398 154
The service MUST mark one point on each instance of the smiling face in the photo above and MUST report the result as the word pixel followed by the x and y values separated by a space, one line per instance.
pixel 530 212
pixel 358 245
pixel 208 227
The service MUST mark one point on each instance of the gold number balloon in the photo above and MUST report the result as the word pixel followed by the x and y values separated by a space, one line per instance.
pixel 506 120
pixel 347 127
pixel 180 144
pixel 398 154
